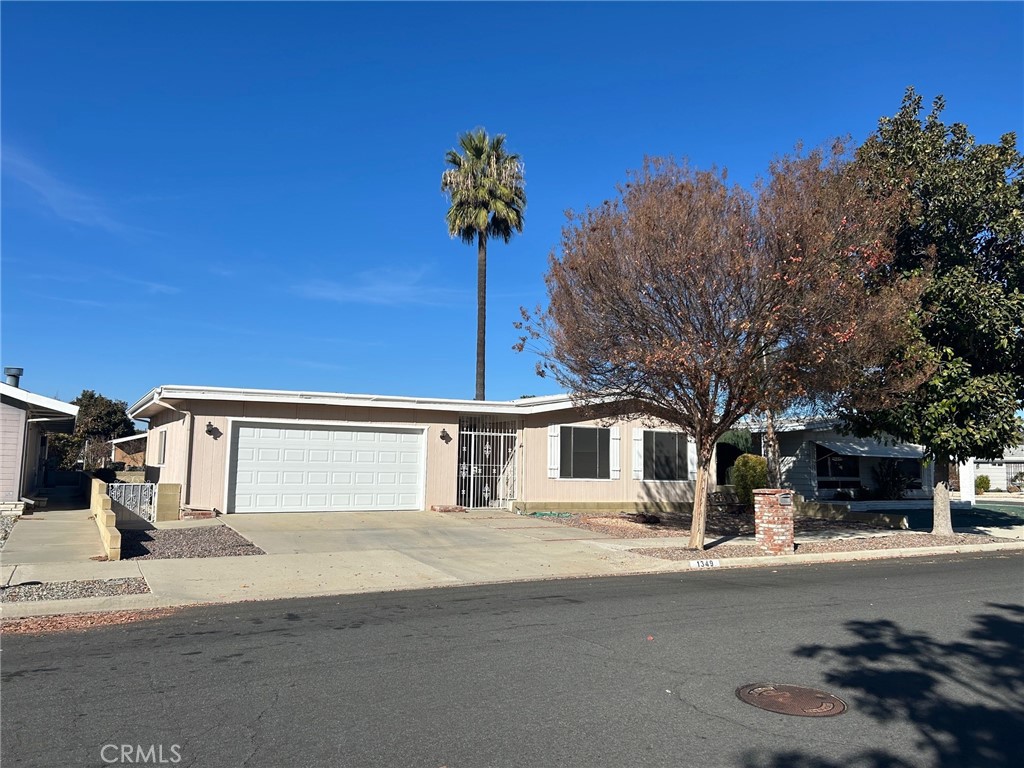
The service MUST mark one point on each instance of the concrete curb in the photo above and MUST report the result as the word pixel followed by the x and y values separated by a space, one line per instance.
pixel 36 609
pixel 849 556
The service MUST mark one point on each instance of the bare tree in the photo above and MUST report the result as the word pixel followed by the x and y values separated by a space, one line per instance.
pixel 698 303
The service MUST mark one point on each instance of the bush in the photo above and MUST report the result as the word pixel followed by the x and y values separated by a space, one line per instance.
pixel 749 472
pixel 890 483
pixel 982 483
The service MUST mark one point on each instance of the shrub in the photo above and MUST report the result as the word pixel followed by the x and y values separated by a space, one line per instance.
pixel 982 483
pixel 890 483
pixel 749 472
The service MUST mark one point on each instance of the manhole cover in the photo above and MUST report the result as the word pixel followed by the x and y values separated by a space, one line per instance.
pixel 791 700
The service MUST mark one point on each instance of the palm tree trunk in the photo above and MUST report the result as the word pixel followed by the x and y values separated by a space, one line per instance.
pixel 481 312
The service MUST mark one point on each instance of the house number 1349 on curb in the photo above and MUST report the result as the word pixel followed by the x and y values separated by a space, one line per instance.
pixel 700 564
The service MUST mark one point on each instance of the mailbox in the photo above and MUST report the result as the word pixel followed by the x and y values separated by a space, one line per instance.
pixel 785 499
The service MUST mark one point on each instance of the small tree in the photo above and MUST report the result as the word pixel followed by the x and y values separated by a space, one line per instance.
pixel 749 472
pixel 696 303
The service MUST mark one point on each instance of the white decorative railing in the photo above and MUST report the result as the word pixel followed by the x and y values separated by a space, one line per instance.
pixel 137 498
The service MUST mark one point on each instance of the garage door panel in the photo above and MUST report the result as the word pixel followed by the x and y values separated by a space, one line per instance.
pixel 291 469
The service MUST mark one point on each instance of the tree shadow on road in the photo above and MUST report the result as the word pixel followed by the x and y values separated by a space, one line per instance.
pixel 964 698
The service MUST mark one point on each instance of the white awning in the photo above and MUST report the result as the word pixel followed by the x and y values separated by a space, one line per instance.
pixel 854 446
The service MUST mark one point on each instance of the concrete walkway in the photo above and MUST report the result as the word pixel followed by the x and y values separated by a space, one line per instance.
pixel 341 553
pixel 51 536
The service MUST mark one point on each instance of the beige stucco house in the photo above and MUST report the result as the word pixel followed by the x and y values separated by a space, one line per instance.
pixel 249 451
pixel 25 419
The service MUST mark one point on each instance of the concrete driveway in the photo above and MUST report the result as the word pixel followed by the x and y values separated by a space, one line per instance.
pixel 463 546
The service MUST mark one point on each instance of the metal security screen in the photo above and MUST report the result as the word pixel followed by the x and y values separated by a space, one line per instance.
pixel 487 462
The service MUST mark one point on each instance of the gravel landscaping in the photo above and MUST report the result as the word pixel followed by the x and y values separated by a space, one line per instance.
pixel 6 524
pixel 173 543
pixel 901 540
pixel 73 590
pixel 629 526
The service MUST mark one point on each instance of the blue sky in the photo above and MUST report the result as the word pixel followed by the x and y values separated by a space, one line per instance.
pixel 249 194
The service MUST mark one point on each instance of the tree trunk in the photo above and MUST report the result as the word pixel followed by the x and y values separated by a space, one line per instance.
pixel 481 312
pixel 700 500
pixel 942 520
pixel 771 451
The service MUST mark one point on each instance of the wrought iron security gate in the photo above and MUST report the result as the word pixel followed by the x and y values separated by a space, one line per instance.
pixel 487 462
pixel 137 498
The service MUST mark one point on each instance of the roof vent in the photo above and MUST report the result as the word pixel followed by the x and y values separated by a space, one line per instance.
pixel 13 375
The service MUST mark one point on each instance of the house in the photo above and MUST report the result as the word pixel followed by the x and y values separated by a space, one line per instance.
pixel 1005 472
pixel 823 465
pixel 25 420
pixel 129 450
pixel 249 451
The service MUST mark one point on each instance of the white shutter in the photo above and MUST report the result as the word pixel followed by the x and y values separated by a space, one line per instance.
pixel 691 457
pixel 638 453
pixel 615 460
pixel 554 451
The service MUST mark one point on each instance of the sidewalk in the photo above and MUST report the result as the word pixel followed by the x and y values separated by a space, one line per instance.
pixel 315 555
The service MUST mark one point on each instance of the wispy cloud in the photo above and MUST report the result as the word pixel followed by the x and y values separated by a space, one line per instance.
pixel 149 286
pixel 62 199
pixel 86 303
pixel 386 287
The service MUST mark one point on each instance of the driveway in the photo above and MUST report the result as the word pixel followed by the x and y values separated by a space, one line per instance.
pixel 462 546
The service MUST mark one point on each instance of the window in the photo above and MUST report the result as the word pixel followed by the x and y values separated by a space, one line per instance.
pixel 832 464
pixel 584 453
pixel 161 448
pixel 836 470
pixel 665 456
pixel 910 468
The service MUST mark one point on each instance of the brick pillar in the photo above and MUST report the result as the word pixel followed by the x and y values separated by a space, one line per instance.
pixel 773 520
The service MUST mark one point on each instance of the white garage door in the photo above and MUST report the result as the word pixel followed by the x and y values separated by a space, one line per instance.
pixel 326 469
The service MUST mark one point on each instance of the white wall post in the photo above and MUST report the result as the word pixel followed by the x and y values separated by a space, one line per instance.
pixel 967 482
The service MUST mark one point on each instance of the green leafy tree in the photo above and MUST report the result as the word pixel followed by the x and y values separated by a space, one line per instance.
pixel 964 229
pixel 485 186
pixel 100 419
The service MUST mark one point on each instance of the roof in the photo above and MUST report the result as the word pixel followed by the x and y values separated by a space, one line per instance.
pixel 865 446
pixel 151 402
pixel 37 406
pixel 757 426
pixel 128 438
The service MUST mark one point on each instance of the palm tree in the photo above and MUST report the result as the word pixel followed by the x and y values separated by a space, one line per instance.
pixel 485 185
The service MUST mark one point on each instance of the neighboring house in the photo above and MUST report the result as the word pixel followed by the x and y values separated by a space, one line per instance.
pixel 821 464
pixel 241 450
pixel 1003 472
pixel 25 418
pixel 130 450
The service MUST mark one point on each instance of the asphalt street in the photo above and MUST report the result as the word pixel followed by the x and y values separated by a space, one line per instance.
pixel 637 671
